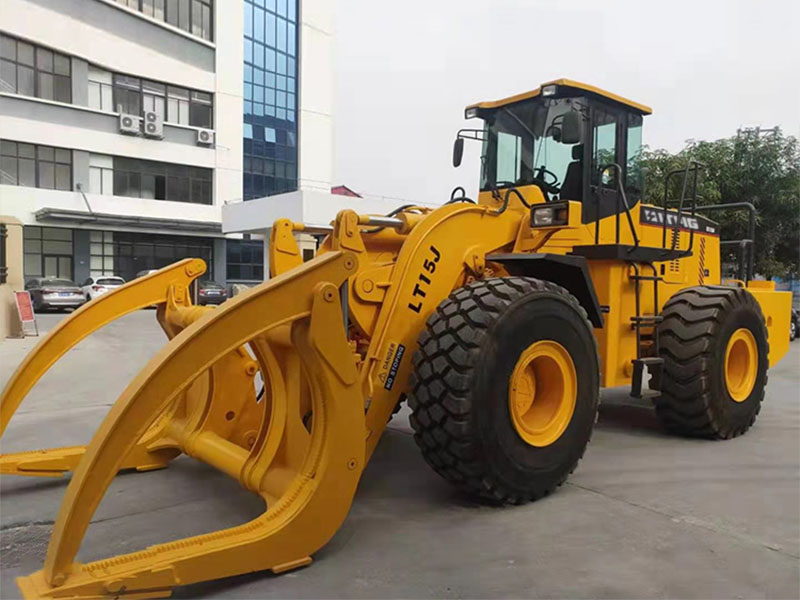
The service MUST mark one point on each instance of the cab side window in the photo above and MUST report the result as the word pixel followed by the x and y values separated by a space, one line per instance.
pixel 633 154
pixel 604 148
pixel 509 155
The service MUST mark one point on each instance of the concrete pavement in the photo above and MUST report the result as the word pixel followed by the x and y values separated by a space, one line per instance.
pixel 645 514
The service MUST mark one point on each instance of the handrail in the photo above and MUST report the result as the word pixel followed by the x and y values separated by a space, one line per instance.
pixel 745 243
pixel 3 260
pixel 620 197
pixel 694 167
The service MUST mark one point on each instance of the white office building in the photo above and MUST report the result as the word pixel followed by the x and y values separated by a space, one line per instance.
pixel 126 125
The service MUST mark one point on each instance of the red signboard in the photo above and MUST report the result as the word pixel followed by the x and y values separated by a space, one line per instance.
pixel 24 307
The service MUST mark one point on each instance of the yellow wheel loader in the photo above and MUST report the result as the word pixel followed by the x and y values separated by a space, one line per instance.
pixel 498 320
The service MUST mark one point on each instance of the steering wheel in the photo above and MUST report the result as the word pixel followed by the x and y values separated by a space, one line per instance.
pixel 536 179
pixel 548 186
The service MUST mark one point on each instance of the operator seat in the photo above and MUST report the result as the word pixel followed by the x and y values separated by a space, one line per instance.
pixel 572 188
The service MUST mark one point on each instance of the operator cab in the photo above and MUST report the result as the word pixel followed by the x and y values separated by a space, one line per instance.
pixel 559 137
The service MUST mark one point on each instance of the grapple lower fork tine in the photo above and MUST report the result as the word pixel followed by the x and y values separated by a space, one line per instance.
pixel 311 507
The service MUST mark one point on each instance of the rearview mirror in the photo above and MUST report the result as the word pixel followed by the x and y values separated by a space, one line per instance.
pixel 458 151
pixel 571 128
pixel 554 131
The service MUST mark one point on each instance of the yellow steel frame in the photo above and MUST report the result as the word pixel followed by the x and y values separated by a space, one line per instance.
pixel 333 372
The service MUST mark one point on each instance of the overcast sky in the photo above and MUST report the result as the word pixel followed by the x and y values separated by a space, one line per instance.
pixel 406 70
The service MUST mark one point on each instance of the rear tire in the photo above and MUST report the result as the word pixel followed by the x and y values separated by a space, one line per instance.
pixel 462 416
pixel 701 393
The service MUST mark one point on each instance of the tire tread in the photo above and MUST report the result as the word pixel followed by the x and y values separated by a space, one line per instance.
pixel 440 381
pixel 691 320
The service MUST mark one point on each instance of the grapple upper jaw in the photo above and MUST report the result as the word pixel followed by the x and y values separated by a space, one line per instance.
pixel 171 282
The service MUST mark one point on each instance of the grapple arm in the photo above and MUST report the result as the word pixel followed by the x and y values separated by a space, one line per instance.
pixel 307 476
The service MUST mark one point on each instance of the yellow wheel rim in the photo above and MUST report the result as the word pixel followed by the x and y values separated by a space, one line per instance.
pixel 542 393
pixel 741 364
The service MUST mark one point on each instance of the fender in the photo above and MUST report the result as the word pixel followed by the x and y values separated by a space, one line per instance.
pixel 570 272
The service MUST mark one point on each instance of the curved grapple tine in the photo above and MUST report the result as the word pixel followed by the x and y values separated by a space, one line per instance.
pixel 325 460
pixel 171 281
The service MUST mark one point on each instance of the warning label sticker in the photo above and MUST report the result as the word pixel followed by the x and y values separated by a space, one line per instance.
pixel 388 383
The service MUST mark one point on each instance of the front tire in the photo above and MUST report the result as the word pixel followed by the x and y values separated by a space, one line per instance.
pixel 714 344
pixel 505 388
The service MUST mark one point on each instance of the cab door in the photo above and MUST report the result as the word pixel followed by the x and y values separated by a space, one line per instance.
pixel 605 147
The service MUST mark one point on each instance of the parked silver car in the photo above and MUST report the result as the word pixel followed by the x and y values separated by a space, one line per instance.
pixel 54 292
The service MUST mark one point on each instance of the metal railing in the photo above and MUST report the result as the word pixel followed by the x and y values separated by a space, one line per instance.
pixel 3 254
pixel 692 167
pixel 622 203
pixel 746 246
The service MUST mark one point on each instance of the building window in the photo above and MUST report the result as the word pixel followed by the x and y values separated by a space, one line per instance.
pixel 193 16
pixel 47 252
pixel 200 110
pixel 34 71
pixel 153 96
pixel 178 105
pixel 127 94
pixel 153 8
pixel 175 104
pixel 101 91
pixel 101 174
pixel 270 97
pixel 17 164
pixel 101 253
pixel 161 181
pixel 137 252
pixel 245 260
pixel 29 165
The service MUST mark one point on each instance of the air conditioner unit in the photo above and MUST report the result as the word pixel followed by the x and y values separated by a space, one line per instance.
pixel 153 124
pixel 205 137
pixel 129 124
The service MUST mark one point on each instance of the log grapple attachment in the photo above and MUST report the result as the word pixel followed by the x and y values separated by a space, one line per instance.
pixel 197 397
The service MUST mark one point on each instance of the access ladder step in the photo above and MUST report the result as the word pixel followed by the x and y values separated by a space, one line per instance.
pixel 647 319
pixel 647 277
pixel 655 366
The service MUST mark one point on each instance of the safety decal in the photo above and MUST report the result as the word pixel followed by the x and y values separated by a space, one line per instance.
pixel 398 356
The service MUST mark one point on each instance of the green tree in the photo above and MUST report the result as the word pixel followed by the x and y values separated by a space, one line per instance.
pixel 762 168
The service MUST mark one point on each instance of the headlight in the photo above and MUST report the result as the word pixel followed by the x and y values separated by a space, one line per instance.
pixel 471 112
pixel 549 90
pixel 552 214
pixel 542 216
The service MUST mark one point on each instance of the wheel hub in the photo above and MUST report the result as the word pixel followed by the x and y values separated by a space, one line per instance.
pixel 741 364
pixel 542 393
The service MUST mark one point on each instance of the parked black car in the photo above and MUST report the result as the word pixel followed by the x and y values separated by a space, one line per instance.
pixel 210 292
pixel 54 292
pixel 794 325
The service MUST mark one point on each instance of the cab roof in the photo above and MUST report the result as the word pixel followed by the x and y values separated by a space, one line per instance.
pixel 566 83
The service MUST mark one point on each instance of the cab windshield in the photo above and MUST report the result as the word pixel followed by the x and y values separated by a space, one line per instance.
pixel 527 143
